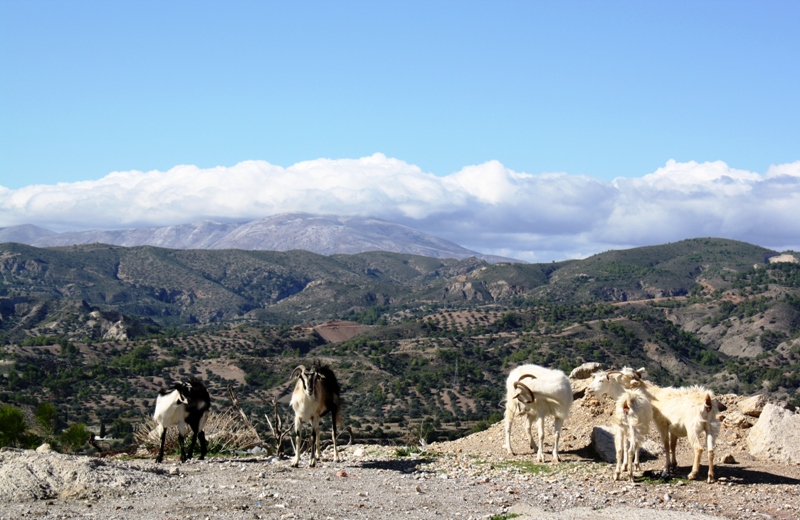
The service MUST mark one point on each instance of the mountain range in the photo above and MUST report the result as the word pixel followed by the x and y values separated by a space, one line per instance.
pixel 321 234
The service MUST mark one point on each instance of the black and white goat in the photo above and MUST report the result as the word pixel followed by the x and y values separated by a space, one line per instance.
pixel 316 393
pixel 179 405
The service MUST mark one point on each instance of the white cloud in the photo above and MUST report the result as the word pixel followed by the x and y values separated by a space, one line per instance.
pixel 486 207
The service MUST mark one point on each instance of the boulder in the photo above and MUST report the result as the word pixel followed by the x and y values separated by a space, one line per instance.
pixel 735 419
pixel 579 387
pixel 776 435
pixel 603 444
pixel 585 371
pixel 753 406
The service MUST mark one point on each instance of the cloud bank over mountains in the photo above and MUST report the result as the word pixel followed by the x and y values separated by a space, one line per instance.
pixel 486 207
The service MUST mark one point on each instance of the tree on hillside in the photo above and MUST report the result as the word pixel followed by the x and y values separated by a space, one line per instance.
pixel 12 426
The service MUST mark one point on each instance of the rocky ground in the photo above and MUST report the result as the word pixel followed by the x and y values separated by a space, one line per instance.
pixel 467 478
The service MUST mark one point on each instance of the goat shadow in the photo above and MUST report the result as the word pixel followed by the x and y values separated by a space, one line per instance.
pixel 734 473
pixel 399 465
pixel 731 473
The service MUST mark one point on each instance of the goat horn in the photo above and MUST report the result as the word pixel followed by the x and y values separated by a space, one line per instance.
pixel 522 389
pixel 301 368
pixel 526 376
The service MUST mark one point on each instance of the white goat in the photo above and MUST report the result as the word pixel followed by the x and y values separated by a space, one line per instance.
pixel 537 392
pixel 632 416
pixel 682 412
pixel 614 384
pixel 315 394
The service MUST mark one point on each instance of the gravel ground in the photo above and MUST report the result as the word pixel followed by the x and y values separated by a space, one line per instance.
pixel 377 482
pixel 467 478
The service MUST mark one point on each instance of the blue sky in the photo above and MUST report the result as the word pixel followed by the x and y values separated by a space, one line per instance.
pixel 596 89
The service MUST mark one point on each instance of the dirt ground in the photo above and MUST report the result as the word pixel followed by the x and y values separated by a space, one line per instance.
pixel 468 478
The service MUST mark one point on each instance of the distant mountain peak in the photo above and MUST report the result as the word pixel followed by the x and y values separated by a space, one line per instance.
pixel 322 234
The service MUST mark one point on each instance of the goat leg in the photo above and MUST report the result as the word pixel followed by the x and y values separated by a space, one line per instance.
pixel 183 452
pixel 711 478
pixel 673 443
pixel 665 442
pixel 314 444
pixel 203 444
pixel 557 425
pixel 297 426
pixel 698 453
pixel 334 420
pixel 540 452
pixel 192 445
pixel 619 443
pixel 160 456
pixel 631 448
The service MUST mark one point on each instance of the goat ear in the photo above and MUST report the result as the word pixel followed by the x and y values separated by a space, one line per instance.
pixel 636 383
pixel 709 403
pixel 640 373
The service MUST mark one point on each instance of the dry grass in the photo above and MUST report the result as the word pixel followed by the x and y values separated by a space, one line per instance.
pixel 226 433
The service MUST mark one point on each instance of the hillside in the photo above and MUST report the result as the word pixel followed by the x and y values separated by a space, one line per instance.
pixel 420 343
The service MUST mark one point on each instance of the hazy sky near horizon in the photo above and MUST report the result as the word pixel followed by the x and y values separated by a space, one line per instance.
pixel 541 130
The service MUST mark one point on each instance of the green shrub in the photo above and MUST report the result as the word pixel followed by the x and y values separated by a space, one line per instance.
pixel 12 426
pixel 74 438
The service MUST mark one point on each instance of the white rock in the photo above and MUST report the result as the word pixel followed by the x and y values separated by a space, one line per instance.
pixel 585 371
pixel 753 406
pixel 776 435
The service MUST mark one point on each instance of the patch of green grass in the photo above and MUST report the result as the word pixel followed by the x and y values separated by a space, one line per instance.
pixel 524 466
pixel 404 451
pixel 504 516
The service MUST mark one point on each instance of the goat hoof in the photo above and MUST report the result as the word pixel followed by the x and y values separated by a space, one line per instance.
pixel 692 475
pixel 711 480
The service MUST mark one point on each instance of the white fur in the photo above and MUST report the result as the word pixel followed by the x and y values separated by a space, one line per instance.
pixel 632 416
pixel 170 411
pixel 552 397
pixel 614 383
pixel 678 412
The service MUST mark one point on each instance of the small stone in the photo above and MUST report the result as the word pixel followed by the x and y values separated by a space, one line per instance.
pixel 728 459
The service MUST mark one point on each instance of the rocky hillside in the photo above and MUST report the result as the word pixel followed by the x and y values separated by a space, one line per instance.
pixel 418 343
